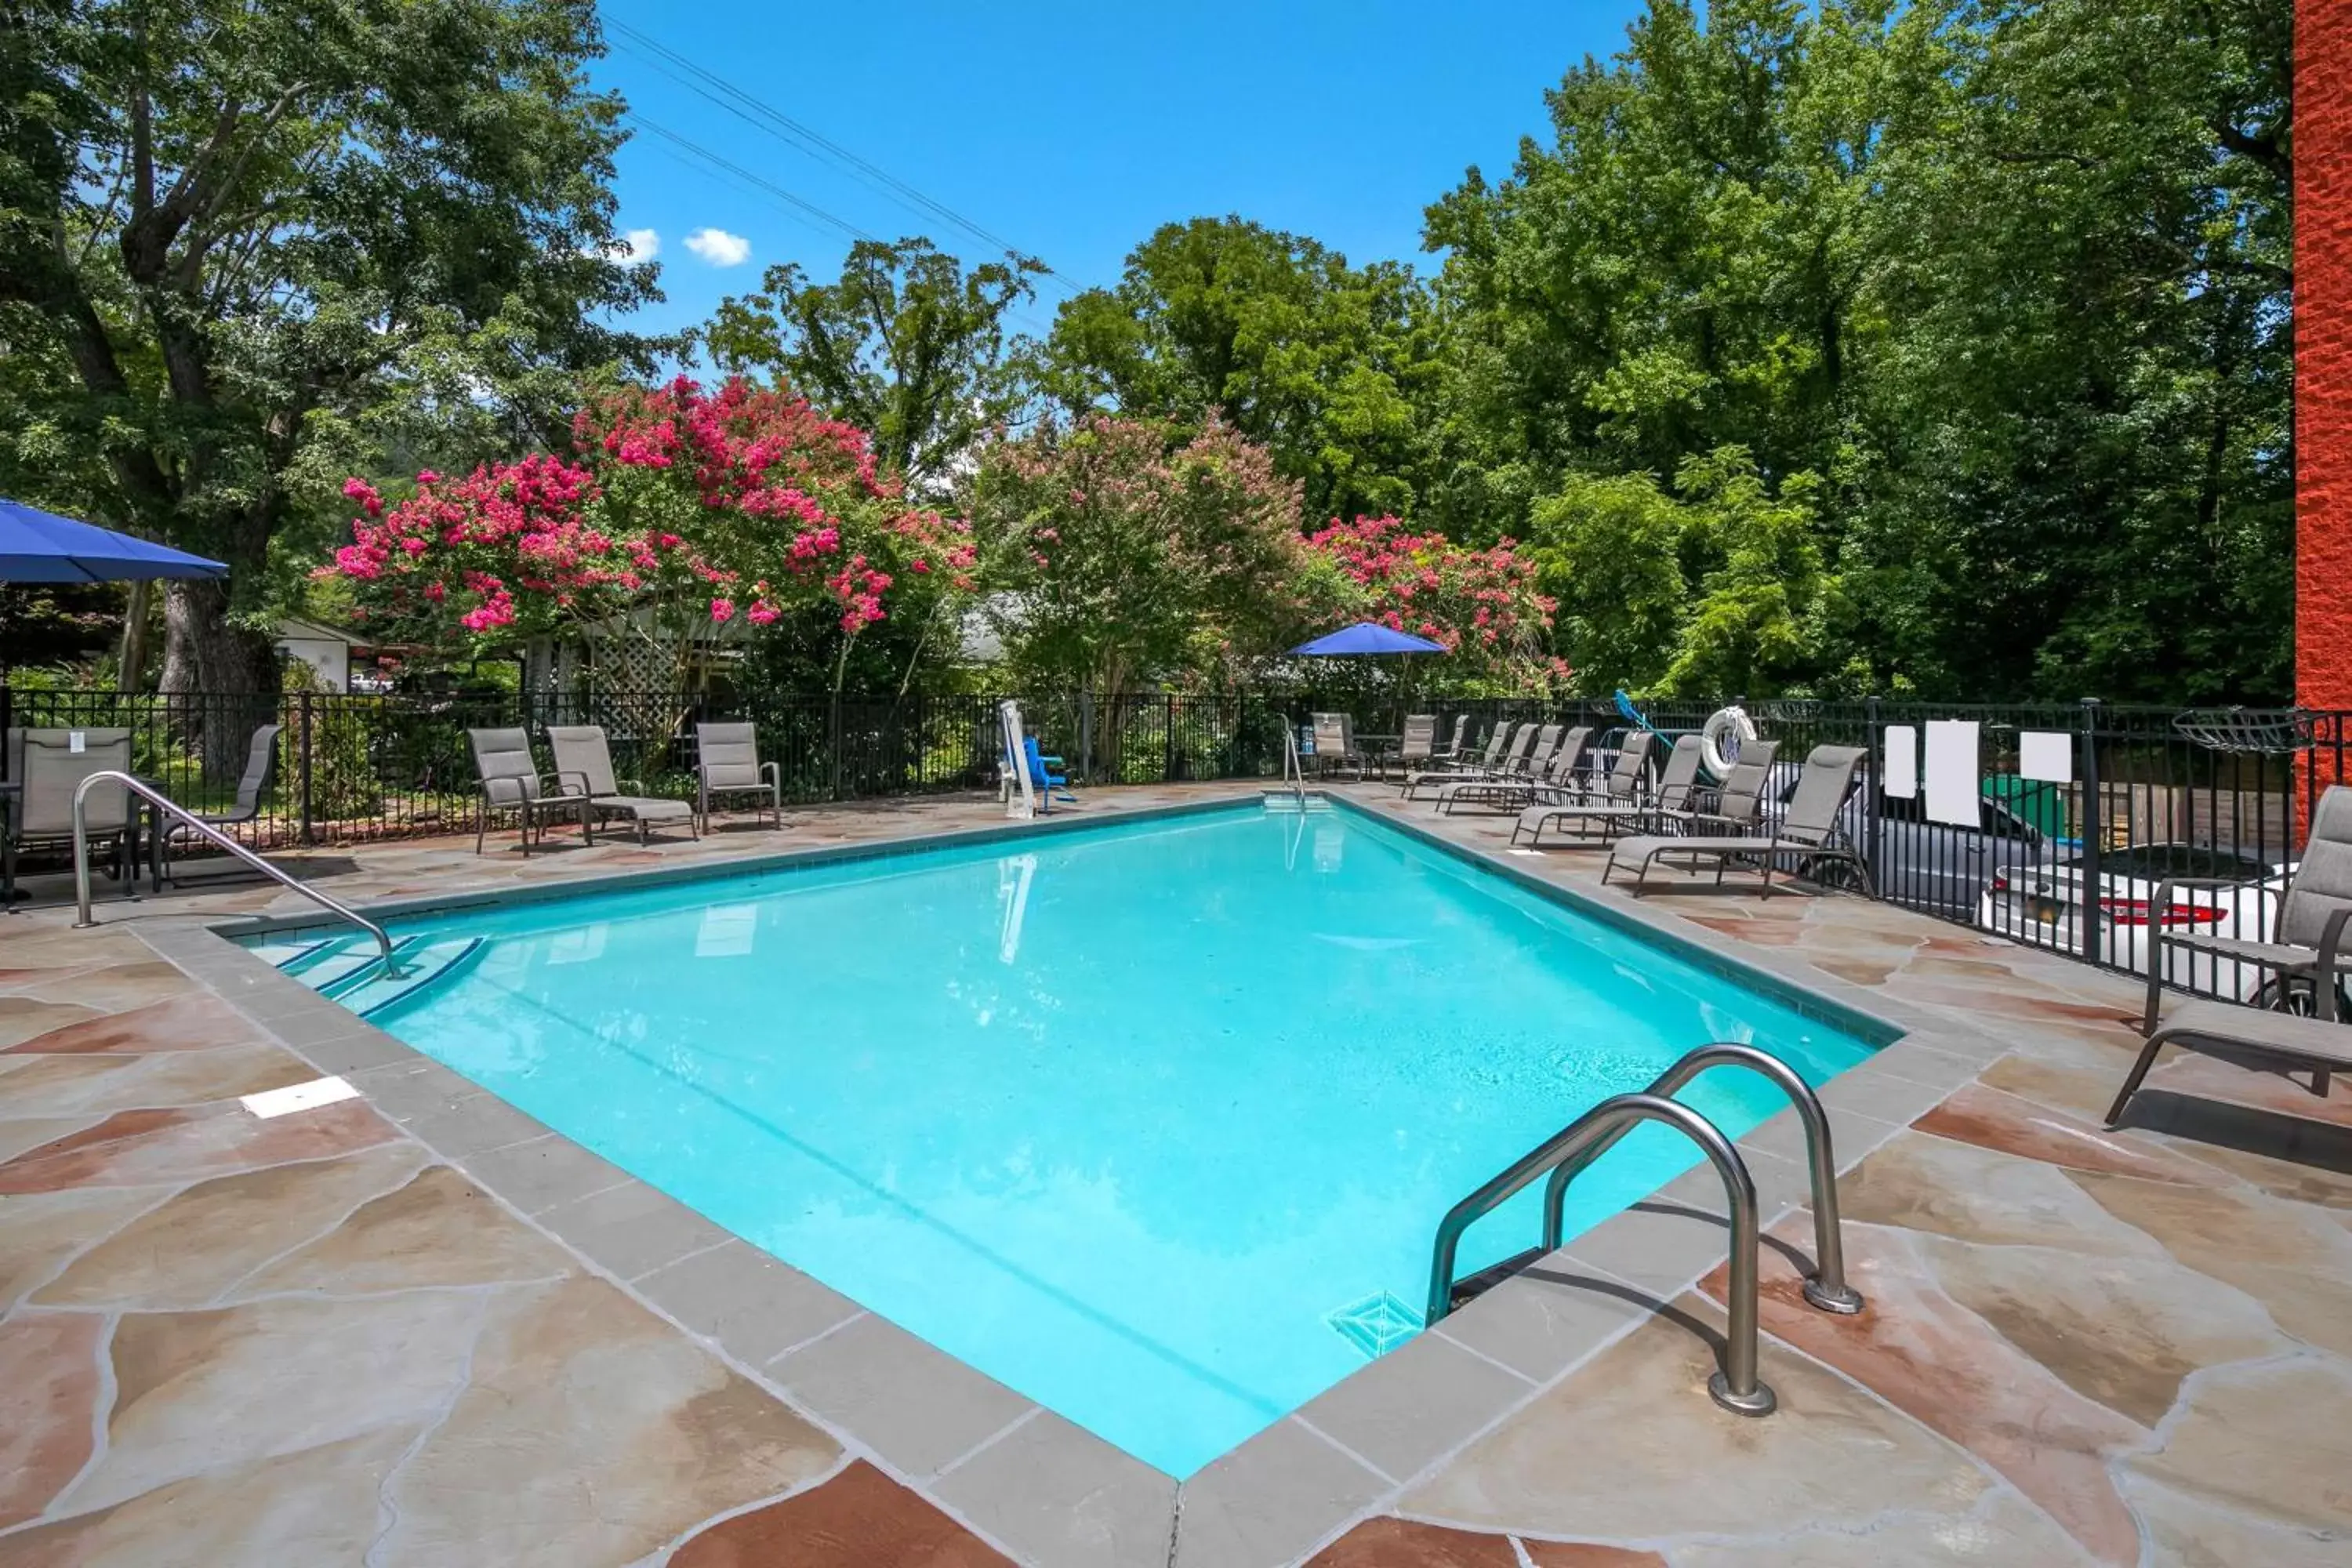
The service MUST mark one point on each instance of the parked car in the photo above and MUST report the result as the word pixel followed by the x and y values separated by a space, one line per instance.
pixel 1941 868
pixel 2044 906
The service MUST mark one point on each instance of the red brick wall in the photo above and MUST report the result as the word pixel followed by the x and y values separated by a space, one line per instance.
pixel 2322 364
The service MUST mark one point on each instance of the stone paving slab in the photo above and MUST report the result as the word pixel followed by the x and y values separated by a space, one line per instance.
pixel 471 1337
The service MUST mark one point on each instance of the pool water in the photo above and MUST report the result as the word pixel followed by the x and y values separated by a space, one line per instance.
pixel 1152 1122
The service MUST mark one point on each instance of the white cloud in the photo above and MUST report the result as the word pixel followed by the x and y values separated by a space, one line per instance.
pixel 719 247
pixel 636 244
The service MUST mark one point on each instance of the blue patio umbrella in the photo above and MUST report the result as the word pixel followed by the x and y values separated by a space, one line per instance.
pixel 36 546
pixel 1368 636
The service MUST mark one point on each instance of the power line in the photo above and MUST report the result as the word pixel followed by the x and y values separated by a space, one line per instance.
pixel 708 84
pixel 688 151
pixel 758 182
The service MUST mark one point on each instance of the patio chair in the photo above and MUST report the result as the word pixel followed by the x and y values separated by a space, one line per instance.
pixel 1734 805
pixel 49 770
pixel 1520 773
pixel 1450 753
pixel 1498 741
pixel 1418 743
pixel 2319 889
pixel 727 766
pixel 260 759
pixel 511 781
pixel 1813 830
pixel 1677 783
pixel 2320 1044
pixel 583 771
pixel 1556 778
pixel 1335 743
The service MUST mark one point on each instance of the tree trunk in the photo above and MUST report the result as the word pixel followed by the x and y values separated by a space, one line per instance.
pixel 224 680
pixel 131 675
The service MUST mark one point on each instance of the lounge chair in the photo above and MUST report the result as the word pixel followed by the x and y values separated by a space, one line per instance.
pixel 260 756
pixel 49 768
pixel 2320 1044
pixel 1489 763
pixel 1450 753
pixel 1734 805
pixel 1811 830
pixel 2320 889
pixel 583 772
pixel 727 766
pixel 1519 774
pixel 1042 777
pixel 1554 779
pixel 511 781
pixel 1677 783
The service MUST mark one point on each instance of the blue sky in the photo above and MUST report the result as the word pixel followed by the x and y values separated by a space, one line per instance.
pixel 1073 132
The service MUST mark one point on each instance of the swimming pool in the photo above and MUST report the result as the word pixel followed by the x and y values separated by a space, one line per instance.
pixel 1152 1122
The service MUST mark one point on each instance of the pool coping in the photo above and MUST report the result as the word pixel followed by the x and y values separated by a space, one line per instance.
pixel 1042 1487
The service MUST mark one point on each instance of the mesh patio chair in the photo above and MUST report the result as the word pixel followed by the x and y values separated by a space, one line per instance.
pixel 260 759
pixel 49 769
pixel 727 766
pixel 1447 770
pixel 511 782
pixel 1623 805
pixel 583 772
pixel 1813 830
pixel 2320 889
pixel 1552 773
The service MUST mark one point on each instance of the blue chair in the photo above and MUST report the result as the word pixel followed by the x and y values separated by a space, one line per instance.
pixel 1041 779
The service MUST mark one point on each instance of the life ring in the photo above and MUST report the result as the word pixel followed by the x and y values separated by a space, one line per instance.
pixel 1724 722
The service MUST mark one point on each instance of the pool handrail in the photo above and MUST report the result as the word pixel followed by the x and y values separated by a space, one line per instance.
pixel 1735 1385
pixel 1826 1287
pixel 218 840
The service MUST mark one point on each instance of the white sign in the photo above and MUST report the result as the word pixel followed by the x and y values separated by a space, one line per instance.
pixel 77 742
pixel 1902 762
pixel 1955 788
pixel 2047 755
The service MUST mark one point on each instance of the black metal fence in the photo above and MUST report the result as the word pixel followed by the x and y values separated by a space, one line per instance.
pixel 2064 850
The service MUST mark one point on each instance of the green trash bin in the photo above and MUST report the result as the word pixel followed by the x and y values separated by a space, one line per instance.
pixel 2035 801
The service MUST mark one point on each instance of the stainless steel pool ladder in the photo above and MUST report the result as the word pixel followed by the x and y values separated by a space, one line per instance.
pixel 1572 1150
pixel 1294 771
pixel 218 840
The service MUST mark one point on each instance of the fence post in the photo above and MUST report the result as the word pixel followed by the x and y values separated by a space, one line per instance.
pixel 305 755
pixel 1086 768
pixel 1168 739
pixel 2094 813
pixel 1873 801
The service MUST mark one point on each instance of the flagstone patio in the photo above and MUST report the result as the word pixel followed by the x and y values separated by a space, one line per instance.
pixel 355 1335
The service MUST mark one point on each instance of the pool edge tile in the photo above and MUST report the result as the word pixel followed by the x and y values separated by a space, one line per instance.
pixel 917 1406
pixel 750 1304
pixel 1413 1405
pixel 1059 1496
pixel 1272 1499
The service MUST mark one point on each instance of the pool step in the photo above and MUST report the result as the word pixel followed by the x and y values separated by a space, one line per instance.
pixel 423 963
pixel 342 963
pixel 291 954
pixel 1284 802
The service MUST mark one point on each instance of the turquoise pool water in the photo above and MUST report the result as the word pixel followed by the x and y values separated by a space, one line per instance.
pixel 1152 1122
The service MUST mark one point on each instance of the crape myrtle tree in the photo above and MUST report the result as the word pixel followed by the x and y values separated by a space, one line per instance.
pixel 676 510
pixel 238 231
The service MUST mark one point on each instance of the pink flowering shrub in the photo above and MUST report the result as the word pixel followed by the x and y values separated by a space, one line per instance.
pixel 1483 605
pixel 698 506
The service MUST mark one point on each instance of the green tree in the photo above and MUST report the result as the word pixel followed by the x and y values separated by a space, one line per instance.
pixel 252 229
pixel 1319 362
pixel 907 345
pixel 1131 553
